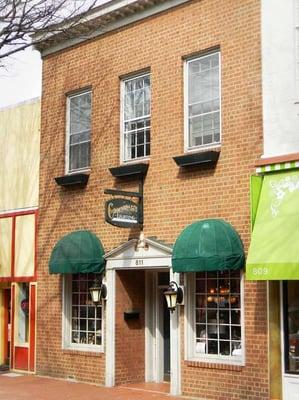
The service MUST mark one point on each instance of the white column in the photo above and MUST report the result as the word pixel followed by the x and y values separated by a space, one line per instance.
pixel 175 346
pixel 110 329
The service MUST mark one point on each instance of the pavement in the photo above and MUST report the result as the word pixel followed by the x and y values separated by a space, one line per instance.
pixel 31 387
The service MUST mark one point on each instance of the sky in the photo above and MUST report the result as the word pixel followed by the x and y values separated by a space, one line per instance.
pixel 20 80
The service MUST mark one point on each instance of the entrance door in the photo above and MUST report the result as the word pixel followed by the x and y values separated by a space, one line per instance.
pixel 157 328
pixel 7 328
pixel 290 342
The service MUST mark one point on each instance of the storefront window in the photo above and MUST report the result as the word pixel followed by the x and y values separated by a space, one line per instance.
pixel 84 328
pixel 291 326
pixel 23 313
pixel 215 313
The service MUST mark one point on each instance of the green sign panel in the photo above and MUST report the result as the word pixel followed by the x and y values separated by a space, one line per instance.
pixel 274 249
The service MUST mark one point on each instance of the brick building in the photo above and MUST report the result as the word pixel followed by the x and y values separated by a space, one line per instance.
pixel 163 100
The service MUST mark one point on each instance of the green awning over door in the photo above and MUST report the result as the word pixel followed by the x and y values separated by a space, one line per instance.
pixel 274 249
pixel 208 245
pixel 77 252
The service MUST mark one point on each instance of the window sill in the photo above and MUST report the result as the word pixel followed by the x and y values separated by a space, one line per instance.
pixel 214 365
pixel 83 352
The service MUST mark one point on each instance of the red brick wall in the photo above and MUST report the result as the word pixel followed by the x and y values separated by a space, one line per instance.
pixel 129 335
pixel 172 197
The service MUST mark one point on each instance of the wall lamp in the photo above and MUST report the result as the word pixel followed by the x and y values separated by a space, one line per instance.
pixel 173 295
pixel 98 291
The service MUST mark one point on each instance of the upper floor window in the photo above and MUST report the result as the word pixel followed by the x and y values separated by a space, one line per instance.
pixel 215 315
pixel 78 131
pixel 136 117
pixel 202 101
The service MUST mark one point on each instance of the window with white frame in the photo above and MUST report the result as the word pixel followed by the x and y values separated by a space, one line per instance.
pixel 136 117
pixel 78 131
pixel 83 322
pixel 215 316
pixel 202 101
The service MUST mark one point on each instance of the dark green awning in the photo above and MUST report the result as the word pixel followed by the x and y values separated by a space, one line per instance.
pixel 208 245
pixel 77 252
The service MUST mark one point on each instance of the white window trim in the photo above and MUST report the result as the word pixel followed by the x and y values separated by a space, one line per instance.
pixel 190 354
pixel 187 148
pixel 66 321
pixel 67 131
pixel 122 130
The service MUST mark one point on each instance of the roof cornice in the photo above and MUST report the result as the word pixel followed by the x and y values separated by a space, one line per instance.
pixel 110 16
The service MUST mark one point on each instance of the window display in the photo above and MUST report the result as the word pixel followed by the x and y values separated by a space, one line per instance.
pixel 86 326
pixel 218 313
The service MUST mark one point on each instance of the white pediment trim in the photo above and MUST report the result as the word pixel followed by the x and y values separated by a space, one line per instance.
pixel 128 256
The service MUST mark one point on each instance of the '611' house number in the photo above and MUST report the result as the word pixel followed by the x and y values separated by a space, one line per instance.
pixel 138 262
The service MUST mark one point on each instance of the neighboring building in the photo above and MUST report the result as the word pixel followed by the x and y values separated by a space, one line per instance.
pixel 273 253
pixel 19 155
pixel 159 80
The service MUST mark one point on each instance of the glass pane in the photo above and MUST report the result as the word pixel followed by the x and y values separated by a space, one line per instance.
pixel 75 337
pixel 212 347
pixel 235 286
pixel 75 324
pixel 201 315
pixel 235 317
pixel 80 137
pixel 22 308
pixel 235 301
pixel 224 332
pixel 212 316
pixel 80 113
pixel 225 348
pixel 213 331
pixel 201 331
pixel 79 156
pixel 223 317
pixel 236 332
pixel 91 338
pixel 91 325
pixel 201 301
pixel 200 286
pixel 83 338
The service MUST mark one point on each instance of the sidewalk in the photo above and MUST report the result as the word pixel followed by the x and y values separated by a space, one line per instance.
pixel 31 387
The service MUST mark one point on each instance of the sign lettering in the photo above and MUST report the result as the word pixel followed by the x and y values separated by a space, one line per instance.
pixel 122 212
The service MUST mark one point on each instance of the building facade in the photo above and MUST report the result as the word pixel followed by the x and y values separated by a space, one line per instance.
pixel 273 252
pixel 19 154
pixel 164 101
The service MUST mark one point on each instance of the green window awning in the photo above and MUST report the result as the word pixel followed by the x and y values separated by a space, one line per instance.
pixel 77 252
pixel 274 249
pixel 208 245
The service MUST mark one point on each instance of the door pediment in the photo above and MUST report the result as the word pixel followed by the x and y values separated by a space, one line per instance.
pixel 153 254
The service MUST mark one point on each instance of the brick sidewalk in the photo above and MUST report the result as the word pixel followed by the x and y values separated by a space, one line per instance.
pixel 31 387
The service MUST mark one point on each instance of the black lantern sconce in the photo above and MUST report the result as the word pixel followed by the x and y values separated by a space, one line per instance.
pixel 98 291
pixel 173 295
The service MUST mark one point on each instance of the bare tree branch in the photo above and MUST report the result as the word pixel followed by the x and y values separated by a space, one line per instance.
pixel 20 19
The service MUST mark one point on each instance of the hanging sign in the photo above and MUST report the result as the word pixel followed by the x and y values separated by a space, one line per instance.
pixel 122 212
